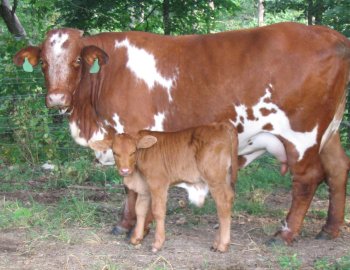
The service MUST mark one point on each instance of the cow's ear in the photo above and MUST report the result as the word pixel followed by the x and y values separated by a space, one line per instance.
pixel 146 141
pixel 94 57
pixel 102 145
pixel 31 53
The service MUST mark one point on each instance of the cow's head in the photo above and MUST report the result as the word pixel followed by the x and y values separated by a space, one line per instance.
pixel 124 149
pixel 61 56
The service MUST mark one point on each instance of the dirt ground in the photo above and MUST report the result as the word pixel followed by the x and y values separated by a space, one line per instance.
pixel 187 245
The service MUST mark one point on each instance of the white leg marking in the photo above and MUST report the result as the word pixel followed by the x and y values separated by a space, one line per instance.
pixel 285 227
pixel 280 124
pixel 118 126
pixel 333 127
pixel 144 66
pixel 196 192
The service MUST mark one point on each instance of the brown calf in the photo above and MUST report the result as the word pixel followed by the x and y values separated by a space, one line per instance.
pixel 204 157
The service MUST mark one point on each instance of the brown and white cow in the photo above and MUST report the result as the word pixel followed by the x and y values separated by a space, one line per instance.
pixel 282 86
pixel 204 157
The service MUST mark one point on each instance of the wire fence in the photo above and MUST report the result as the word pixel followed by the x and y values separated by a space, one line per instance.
pixel 29 132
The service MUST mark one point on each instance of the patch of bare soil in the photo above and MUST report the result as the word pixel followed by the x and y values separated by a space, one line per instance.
pixel 187 245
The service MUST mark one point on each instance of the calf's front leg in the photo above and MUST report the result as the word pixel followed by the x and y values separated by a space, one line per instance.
pixel 142 207
pixel 159 198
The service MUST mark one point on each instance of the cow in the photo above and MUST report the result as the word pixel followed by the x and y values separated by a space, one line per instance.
pixel 204 157
pixel 282 86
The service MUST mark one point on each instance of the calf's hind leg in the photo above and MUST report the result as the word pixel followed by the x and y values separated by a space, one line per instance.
pixel 223 196
pixel 336 165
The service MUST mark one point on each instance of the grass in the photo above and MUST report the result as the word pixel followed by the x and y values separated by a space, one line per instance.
pixel 325 263
pixel 70 211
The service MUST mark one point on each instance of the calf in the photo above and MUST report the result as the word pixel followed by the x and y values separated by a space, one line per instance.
pixel 201 156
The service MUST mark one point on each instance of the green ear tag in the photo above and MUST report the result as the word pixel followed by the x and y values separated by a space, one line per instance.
pixel 95 67
pixel 27 67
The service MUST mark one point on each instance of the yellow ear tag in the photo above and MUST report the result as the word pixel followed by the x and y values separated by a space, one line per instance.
pixel 95 67
pixel 27 67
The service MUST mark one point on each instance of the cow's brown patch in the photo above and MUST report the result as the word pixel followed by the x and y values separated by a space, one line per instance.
pixel 241 161
pixel 240 128
pixel 250 114
pixel 266 112
pixel 267 100
pixel 242 119
pixel 268 126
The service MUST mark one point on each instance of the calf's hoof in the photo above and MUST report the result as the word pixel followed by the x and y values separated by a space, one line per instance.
pixel 219 248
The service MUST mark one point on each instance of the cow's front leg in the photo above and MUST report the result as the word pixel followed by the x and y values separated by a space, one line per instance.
pixel 306 178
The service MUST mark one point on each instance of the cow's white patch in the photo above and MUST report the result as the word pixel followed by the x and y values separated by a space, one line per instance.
pixel 58 66
pixel 75 132
pixel 105 157
pixel 332 128
pixel 158 122
pixel 118 126
pixel 196 193
pixel 143 65
pixel 280 125
pixel 98 135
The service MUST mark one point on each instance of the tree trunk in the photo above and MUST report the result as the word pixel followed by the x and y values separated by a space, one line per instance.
pixel 310 11
pixel 319 9
pixel 12 22
pixel 261 11
pixel 166 18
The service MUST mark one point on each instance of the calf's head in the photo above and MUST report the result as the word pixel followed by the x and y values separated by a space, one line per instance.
pixel 125 150
pixel 61 56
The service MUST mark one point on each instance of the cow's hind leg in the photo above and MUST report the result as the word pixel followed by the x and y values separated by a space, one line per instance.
pixel 336 166
pixel 307 175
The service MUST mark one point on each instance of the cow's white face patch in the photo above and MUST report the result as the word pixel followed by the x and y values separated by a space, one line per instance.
pixel 158 122
pixel 254 121
pixel 118 126
pixel 75 132
pixel 143 65
pixel 58 67
pixel 196 193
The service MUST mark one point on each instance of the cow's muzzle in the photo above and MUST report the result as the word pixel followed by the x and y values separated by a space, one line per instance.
pixel 58 100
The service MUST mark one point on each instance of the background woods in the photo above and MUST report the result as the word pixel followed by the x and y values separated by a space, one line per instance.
pixel 30 132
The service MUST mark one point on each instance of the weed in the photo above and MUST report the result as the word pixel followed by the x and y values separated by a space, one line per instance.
pixel 289 262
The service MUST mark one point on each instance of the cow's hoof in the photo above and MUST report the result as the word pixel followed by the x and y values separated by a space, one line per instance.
pixel 275 241
pixel 323 235
pixel 117 230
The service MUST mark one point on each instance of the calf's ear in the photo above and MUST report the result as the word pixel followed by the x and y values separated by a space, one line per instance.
pixel 94 57
pixel 146 141
pixel 102 145
pixel 27 56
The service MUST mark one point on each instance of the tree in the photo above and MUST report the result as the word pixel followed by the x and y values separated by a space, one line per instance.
pixel 11 20
pixel 260 12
